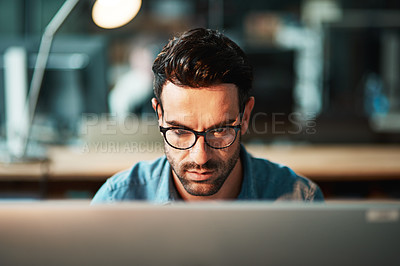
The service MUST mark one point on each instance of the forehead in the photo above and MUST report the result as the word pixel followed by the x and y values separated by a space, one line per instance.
pixel 217 102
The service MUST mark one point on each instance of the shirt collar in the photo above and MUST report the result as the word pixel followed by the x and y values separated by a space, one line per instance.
pixel 248 190
pixel 166 191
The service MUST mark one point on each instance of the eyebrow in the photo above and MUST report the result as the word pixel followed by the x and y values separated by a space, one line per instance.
pixel 175 123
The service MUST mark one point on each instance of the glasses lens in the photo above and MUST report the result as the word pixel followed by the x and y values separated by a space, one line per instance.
pixel 180 138
pixel 221 137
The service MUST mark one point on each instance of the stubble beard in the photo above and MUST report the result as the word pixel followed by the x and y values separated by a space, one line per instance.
pixel 208 187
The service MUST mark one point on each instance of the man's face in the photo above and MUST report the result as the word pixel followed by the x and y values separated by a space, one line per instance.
pixel 201 170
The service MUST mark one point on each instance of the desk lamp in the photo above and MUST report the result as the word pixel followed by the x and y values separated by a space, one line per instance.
pixel 107 14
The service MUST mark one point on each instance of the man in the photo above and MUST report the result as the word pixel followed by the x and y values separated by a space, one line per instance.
pixel 201 85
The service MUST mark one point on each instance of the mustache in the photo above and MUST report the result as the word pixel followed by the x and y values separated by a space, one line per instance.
pixel 209 165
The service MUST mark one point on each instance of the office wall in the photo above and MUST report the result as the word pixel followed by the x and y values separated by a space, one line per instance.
pixel 332 92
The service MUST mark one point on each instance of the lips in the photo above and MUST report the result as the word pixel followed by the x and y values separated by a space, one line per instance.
pixel 199 176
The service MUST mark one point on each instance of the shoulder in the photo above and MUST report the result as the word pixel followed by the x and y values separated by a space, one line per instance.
pixel 138 182
pixel 141 173
pixel 278 182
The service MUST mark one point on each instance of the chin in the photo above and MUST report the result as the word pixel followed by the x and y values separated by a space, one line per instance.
pixel 202 190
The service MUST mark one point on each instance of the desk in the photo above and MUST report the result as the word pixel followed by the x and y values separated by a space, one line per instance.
pixel 337 163
pixel 322 163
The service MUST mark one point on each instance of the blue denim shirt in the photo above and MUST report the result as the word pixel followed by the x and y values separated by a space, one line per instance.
pixel 262 180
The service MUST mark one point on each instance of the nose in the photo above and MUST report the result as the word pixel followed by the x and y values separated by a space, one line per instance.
pixel 199 153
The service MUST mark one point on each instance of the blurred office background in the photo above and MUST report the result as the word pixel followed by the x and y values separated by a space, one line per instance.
pixel 326 71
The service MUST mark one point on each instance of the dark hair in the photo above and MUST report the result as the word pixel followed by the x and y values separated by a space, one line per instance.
pixel 202 58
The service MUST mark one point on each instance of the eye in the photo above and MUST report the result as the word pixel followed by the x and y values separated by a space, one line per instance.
pixel 219 132
pixel 180 132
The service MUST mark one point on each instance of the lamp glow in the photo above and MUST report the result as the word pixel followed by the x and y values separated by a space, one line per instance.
pixel 111 14
pixel 107 14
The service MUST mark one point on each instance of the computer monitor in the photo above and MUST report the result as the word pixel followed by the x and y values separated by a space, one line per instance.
pixel 223 233
pixel 75 82
pixel 274 80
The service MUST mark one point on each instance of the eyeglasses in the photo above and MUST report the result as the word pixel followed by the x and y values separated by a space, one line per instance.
pixel 183 138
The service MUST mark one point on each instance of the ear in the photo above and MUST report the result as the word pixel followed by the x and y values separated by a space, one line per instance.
pixel 246 115
pixel 155 104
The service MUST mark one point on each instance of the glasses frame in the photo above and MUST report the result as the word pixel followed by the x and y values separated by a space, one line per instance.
pixel 197 134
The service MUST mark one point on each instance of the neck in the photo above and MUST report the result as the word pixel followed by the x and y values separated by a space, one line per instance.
pixel 229 190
